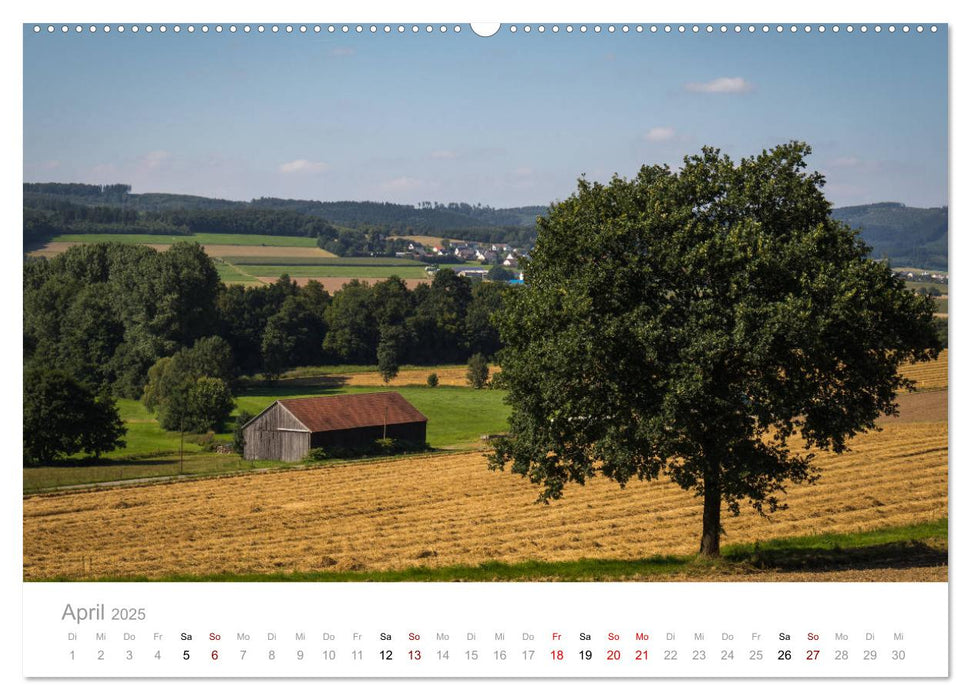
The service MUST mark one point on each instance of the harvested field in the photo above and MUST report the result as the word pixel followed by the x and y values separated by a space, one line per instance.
pixel 928 375
pixel 334 284
pixel 447 376
pixel 427 241
pixel 450 510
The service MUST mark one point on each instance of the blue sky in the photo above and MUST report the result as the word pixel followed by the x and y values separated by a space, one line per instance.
pixel 509 120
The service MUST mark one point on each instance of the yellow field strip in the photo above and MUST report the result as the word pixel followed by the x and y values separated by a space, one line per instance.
pixel 444 510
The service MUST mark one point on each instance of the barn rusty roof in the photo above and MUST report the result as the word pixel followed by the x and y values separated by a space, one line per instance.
pixel 323 413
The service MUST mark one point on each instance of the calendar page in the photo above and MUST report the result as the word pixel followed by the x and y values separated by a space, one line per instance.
pixel 411 349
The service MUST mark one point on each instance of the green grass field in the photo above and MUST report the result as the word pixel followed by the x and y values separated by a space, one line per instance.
pixel 457 418
pixel 320 262
pixel 922 544
pixel 233 275
pixel 203 238
pixel 328 270
pixel 942 288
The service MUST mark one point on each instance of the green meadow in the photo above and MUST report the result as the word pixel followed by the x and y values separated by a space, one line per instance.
pixel 327 270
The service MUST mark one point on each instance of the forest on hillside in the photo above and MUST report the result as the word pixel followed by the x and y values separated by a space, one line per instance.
pixel 53 208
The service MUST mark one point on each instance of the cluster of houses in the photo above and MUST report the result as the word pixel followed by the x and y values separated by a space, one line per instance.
pixel 485 254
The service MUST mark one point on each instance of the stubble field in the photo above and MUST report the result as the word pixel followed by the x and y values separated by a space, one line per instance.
pixel 451 510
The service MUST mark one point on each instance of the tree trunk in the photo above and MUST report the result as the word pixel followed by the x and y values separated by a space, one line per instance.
pixel 711 521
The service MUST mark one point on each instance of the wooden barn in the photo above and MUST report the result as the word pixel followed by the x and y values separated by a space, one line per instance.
pixel 289 428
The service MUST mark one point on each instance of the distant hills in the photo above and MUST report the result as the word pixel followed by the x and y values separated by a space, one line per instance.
pixel 455 220
pixel 907 236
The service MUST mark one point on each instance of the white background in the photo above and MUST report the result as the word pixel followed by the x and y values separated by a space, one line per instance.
pixel 507 11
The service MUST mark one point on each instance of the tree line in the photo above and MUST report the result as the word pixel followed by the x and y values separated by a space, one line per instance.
pixel 51 216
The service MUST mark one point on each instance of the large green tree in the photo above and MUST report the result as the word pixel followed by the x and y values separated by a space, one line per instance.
pixel 192 389
pixel 712 324
pixel 63 417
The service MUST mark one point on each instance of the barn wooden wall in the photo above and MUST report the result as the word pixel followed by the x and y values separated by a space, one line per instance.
pixel 272 436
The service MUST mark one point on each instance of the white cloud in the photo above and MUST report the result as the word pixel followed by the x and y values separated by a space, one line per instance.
pixel 727 85
pixel 402 184
pixel 522 172
pixel 660 133
pixel 845 162
pixel 155 159
pixel 444 155
pixel 342 51
pixel 302 167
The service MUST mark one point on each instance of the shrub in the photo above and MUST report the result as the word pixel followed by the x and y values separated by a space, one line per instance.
pixel 317 454
pixel 385 446
pixel 207 441
pixel 239 442
pixel 432 380
pixel 478 372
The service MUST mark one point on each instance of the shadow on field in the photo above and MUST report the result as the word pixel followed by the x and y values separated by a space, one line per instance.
pixel 893 555
pixel 128 461
pixel 328 380
pixel 282 388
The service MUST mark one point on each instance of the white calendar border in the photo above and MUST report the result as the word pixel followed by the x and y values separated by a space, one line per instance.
pixel 507 10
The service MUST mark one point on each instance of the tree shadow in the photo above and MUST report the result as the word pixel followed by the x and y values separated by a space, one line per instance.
pixel 892 555
pixel 129 461
pixel 323 381
pixel 282 391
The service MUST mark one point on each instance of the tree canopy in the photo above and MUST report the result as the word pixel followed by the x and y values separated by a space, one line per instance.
pixel 62 417
pixel 699 323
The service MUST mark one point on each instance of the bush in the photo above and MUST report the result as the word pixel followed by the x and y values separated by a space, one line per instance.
pixel 239 442
pixel 207 441
pixel 478 372
pixel 317 454
pixel 385 446
pixel 432 380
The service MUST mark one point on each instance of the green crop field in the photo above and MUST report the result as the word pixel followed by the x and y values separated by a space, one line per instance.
pixel 942 288
pixel 203 238
pixel 327 262
pixel 233 275
pixel 457 418
pixel 327 270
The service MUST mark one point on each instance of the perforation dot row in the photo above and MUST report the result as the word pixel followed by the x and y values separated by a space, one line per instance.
pixel 512 29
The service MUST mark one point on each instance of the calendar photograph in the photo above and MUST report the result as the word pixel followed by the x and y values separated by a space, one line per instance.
pixel 485 303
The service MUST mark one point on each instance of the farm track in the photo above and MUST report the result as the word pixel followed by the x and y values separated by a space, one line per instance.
pixel 451 510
